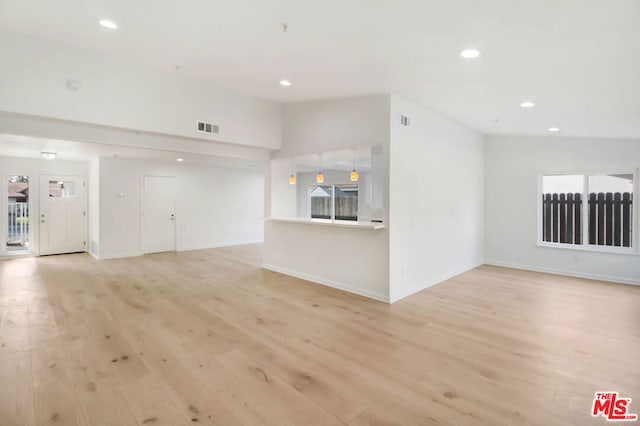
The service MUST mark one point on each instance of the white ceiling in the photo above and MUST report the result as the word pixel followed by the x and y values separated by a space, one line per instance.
pixel 579 60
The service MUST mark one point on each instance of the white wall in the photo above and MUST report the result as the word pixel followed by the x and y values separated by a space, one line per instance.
pixel 33 75
pixel 94 207
pixel 34 168
pixel 215 206
pixel 329 125
pixel 436 199
pixel 352 259
pixel 58 130
pixel 512 166
pixel 281 197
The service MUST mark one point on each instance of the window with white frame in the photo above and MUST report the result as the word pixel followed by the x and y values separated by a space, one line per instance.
pixel 588 209
pixel 334 202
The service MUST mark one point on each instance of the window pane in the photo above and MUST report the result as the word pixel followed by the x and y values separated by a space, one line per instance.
pixel 18 217
pixel 562 208
pixel 558 184
pixel 346 202
pixel 320 201
pixel 610 209
pixel 62 189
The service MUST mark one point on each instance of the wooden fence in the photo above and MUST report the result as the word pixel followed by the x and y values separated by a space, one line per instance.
pixel 609 216
pixel 344 196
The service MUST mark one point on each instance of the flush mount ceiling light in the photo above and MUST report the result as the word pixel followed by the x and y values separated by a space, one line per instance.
pixel 527 104
pixel 285 83
pixel 470 53
pixel 554 129
pixel 48 155
pixel 108 24
pixel 179 159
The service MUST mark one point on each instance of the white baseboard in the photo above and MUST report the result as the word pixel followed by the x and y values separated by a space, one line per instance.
pixel 608 278
pixel 329 283
pixel 421 286
pixel 181 248
pixel 218 245
pixel 119 255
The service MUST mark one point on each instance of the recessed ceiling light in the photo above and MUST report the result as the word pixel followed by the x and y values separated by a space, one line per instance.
pixel 48 155
pixel 554 129
pixel 470 53
pixel 109 24
pixel 285 83
pixel 179 159
pixel 527 104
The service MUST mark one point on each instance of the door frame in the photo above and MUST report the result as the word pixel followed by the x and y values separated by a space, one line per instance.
pixel 34 244
pixel 143 194
pixel 85 206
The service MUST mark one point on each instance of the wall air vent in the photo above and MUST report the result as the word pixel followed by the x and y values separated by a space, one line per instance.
pixel 207 127
pixel 404 121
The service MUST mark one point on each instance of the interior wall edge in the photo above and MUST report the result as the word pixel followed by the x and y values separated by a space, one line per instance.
pixel 434 281
pixel 219 244
pixel 329 283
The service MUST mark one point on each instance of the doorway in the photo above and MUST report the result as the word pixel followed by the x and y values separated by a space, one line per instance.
pixel 18 235
pixel 63 214
pixel 159 219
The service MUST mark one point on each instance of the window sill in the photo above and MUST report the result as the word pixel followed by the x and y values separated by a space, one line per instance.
pixel 591 248
pixel 327 222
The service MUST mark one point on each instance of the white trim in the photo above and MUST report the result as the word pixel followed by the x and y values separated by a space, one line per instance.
pixel 85 206
pixel 422 286
pixel 119 256
pixel 182 248
pixel 635 241
pixel 597 277
pixel 218 245
pixel 329 222
pixel 590 247
pixel 340 286
pixel 143 194
pixel 17 256
pixel 34 212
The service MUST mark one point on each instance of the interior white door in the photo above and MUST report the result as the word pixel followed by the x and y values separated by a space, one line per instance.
pixel 63 214
pixel 159 223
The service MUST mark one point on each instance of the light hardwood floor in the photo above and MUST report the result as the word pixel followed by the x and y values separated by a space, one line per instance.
pixel 207 337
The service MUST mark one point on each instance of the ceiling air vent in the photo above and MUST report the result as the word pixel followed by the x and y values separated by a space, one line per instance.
pixel 207 127
pixel 404 121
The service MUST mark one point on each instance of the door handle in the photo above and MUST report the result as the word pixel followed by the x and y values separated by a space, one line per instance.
pixel 173 217
pixel 42 221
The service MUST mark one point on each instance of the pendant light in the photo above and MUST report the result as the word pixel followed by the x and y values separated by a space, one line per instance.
pixel 354 173
pixel 293 169
pixel 320 176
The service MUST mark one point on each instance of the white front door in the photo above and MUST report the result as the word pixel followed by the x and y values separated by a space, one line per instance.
pixel 63 217
pixel 159 224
